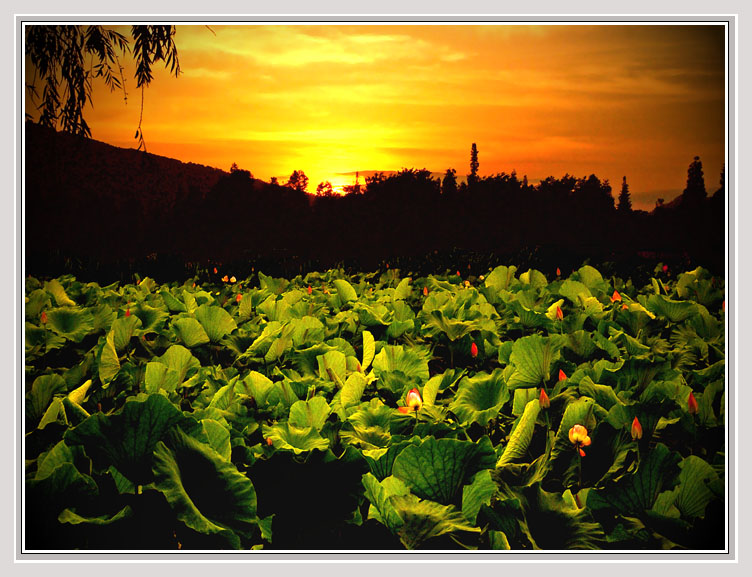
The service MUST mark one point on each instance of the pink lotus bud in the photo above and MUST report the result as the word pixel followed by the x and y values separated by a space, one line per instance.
pixel 636 429
pixel 128 312
pixel 310 290
pixel 665 268
pixel 615 297
pixel 558 271
pixel 43 318
pixel 239 297
pixel 544 401
pixel 562 375
pixel 425 291
pixel 559 314
pixel 474 350
pixel 692 404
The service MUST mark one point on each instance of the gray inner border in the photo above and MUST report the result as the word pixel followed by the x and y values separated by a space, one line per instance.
pixel 729 555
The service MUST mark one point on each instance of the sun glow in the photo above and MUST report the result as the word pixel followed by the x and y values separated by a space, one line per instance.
pixel 639 101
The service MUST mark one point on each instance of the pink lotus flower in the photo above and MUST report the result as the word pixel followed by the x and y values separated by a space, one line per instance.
pixel 578 436
pixel 474 350
pixel 636 429
pixel 413 402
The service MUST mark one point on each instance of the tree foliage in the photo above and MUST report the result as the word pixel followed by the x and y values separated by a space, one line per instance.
pixel 625 200
pixel 64 60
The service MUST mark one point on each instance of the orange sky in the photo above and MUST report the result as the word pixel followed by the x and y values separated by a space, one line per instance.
pixel 544 100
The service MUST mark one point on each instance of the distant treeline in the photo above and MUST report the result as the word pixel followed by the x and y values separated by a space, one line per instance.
pixel 89 205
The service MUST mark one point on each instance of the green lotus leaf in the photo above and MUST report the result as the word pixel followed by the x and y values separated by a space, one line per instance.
pixel 273 285
pixel 575 291
pixel 411 362
pixel 437 468
pixel 534 278
pixel 218 437
pixel 439 383
pixel 109 363
pixel 36 301
pixel 372 315
pixel 345 291
pixel 158 376
pixel 381 460
pixel 58 293
pixel 521 398
pixel 380 494
pixel 255 385
pixel 55 457
pixel 43 389
pixel 190 331
pixel 403 290
pixel 127 439
pixel 353 389
pixel 478 493
pixel 40 340
pixel 672 310
pixel 532 357
pixel 276 309
pixel 171 302
pixel 699 484
pixel 480 398
pixel 312 413
pixel 332 367
pixel 72 518
pixel 521 435
pixel 73 323
pixel 436 323
pixel 179 359
pixel 123 329
pixel 636 493
pixel 592 279
pixel 280 344
pixel 152 318
pixel 501 278
pixel 423 519
pixel 216 321
pixel 205 491
pixel 64 486
pixel 307 331
pixel 103 316
pixel 369 350
pixel 295 439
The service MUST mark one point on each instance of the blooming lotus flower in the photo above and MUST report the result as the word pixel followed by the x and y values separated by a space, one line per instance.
pixel 692 404
pixel 467 283
pixel 474 350
pixel 636 429
pixel 578 436
pixel 233 279
pixel 615 297
pixel 239 297
pixel 225 278
pixel 562 375
pixel 413 402
pixel 481 277
pixel 543 400
pixel 559 314
pixel 425 291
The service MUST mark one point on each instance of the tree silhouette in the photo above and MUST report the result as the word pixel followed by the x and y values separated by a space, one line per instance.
pixel 449 184
pixel 273 180
pixel 324 189
pixel 625 200
pixel 695 192
pixel 297 181
pixel 472 178
pixel 65 60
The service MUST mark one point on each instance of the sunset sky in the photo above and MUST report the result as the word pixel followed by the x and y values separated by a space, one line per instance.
pixel 543 100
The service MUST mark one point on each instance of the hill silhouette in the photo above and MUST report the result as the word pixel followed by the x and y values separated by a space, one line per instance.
pixel 96 209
